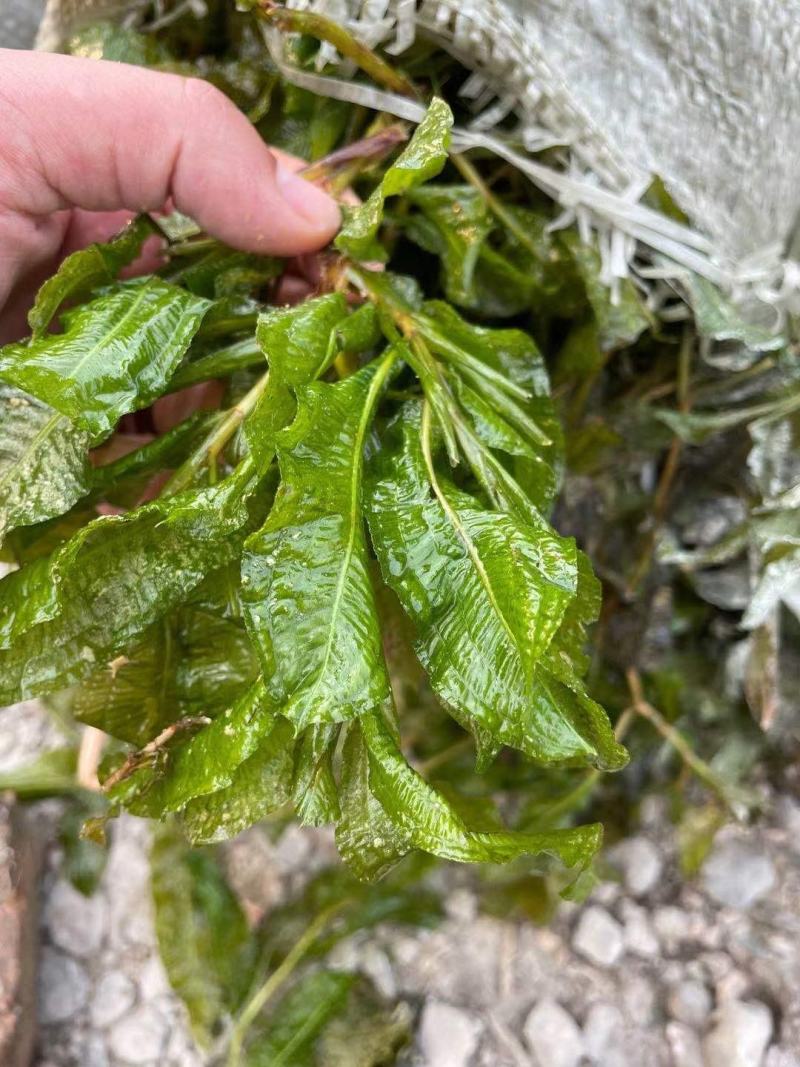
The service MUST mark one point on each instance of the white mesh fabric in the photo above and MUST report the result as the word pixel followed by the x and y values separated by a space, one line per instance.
pixel 700 92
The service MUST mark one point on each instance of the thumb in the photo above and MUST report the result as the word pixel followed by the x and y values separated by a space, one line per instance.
pixel 104 136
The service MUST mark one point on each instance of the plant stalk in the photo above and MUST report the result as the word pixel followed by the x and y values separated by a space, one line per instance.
pixel 273 983
pixel 209 449
pixel 325 29
pixel 675 738
pixel 494 203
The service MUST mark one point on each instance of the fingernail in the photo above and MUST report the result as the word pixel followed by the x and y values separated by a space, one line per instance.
pixel 307 200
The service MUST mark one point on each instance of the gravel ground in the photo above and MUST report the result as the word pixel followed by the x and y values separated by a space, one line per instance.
pixel 649 971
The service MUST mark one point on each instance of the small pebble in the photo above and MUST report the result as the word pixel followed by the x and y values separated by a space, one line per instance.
pixel 781 1057
pixel 740 1035
pixel 672 926
pixel 448 1036
pixel 63 987
pixel 690 1003
pixel 638 934
pixel 598 937
pixel 738 875
pixel 640 864
pixel 76 924
pixel 140 1037
pixel 684 1045
pixel 553 1036
pixel 113 997
pixel 603 1031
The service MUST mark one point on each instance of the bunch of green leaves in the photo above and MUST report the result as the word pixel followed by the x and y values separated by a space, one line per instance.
pixel 229 629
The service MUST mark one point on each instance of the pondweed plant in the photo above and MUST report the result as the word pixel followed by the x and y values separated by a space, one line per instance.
pixel 340 594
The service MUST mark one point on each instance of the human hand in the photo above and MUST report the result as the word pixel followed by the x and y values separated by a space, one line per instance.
pixel 85 144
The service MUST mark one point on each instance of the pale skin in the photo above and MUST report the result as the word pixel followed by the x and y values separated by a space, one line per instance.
pixel 85 144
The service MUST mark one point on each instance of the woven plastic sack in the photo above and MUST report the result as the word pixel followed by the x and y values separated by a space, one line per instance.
pixel 698 92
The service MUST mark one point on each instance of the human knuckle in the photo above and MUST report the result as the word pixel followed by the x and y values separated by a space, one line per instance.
pixel 202 96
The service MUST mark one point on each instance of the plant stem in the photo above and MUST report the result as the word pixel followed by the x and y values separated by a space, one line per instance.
pixel 577 796
pixel 215 442
pixel 265 992
pixel 495 205
pixel 136 759
pixel 219 364
pixel 674 737
pixel 464 744
pixel 338 169
pixel 325 29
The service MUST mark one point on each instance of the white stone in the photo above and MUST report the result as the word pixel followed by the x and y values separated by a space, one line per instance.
pixel 76 924
pixel 140 1037
pixel 151 978
pixel 553 1036
pixel 638 998
pixel 740 1035
pixel 598 937
pixel 684 1045
pixel 690 1003
pixel 603 1031
pixel 113 997
pixel 375 964
pixel 638 933
pixel 93 1051
pixel 640 864
pixel 737 875
pixel 448 1036
pixel 781 1057
pixel 461 905
pixel 63 987
pixel 787 811
pixel 672 926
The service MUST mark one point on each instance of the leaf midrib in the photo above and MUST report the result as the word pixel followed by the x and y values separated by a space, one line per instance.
pixel 115 330
pixel 366 413
pixel 459 527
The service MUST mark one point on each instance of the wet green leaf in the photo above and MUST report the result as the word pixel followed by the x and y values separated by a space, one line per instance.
pixel 260 785
pixel 367 839
pixel 314 791
pixel 718 318
pixel 223 272
pixel 116 353
pixel 454 223
pixel 195 665
pixel 487 593
pixel 506 371
pixel 421 159
pixel 432 824
pixel 86 270
pixel 306 588
pixel 202 933
pixel 206 762
pixel 44 467
pixel 67 613
pixel 134 698
pixel 299 345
